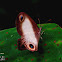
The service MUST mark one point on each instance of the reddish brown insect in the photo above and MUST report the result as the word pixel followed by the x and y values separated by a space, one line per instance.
pixel 29 32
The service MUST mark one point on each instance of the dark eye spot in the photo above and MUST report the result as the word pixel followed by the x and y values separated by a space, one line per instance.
pixel 21 18
pixel 31 45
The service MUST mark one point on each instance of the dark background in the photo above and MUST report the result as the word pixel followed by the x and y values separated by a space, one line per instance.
pixel 34 8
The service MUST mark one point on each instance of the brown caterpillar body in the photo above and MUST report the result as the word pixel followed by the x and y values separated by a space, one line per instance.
pixel 29 32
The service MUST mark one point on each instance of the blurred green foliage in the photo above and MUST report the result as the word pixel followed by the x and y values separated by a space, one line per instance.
pixel 49 50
